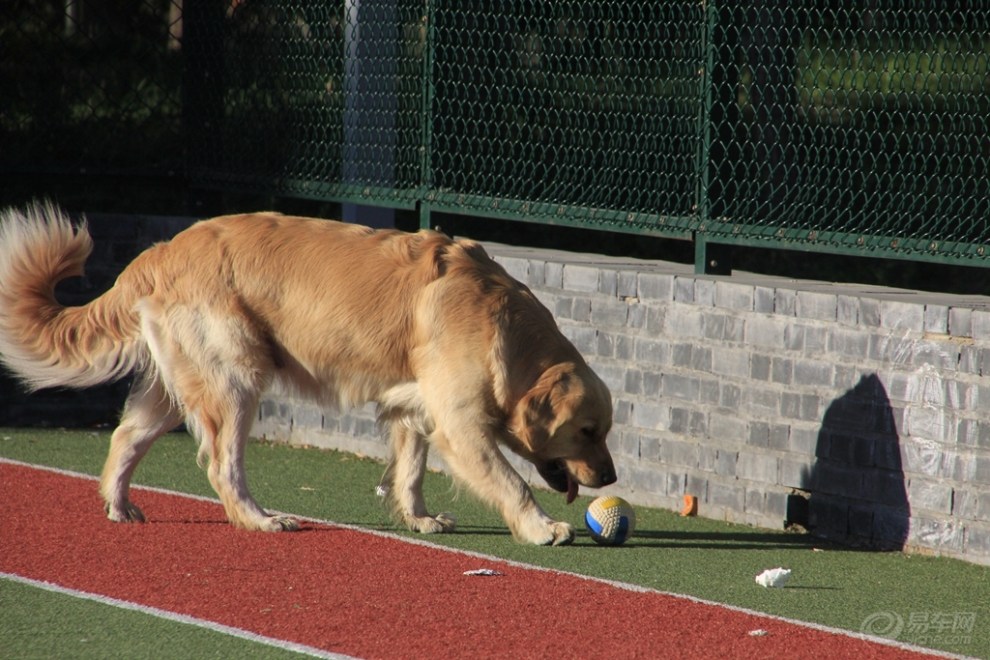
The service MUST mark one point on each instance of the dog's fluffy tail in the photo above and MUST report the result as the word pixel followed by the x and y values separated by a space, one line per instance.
pixel 42 342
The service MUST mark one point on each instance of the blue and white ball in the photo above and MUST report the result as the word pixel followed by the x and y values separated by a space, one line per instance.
pixel 610 520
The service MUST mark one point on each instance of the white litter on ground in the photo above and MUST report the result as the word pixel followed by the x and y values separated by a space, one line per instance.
pixel 774 577
pixel 483 571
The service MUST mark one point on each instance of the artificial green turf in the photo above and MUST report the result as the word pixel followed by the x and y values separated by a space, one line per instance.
pixel 708 559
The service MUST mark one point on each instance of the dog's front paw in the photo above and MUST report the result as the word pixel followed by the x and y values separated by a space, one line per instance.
pixel 124 512
pixel 439 524
pixel 563 533
pixel 546 532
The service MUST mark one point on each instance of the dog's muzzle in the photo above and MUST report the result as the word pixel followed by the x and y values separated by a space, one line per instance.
pixel 557 476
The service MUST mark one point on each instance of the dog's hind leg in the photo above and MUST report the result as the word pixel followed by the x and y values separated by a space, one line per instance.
pixel 216 361
pixel 409 450
pixel 148 413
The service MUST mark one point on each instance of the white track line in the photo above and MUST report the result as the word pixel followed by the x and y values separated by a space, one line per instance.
pixel 613 583
pixel 175 616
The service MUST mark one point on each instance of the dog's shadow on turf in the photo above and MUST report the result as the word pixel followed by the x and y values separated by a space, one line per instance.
pixel 721 540
pixel 305 527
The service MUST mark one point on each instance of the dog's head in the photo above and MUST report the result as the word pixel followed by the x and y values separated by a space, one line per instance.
pixel 562 423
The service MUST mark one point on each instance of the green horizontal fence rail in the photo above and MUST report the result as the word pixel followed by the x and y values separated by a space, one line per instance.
pixel 849 128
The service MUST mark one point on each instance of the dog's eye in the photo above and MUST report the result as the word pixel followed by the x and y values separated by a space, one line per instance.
pixel 588 432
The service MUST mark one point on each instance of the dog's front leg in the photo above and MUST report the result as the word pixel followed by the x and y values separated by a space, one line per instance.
pixel 475 459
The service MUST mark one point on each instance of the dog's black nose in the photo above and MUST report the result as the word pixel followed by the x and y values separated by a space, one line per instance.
pixel 608 477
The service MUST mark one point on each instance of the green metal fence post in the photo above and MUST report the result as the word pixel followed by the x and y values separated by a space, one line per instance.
pixel 426 120
pixel 708 257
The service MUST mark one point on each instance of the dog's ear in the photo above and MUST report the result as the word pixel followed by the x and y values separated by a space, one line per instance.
pixel 536 416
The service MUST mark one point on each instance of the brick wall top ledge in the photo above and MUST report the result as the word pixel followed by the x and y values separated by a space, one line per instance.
pixel 849 304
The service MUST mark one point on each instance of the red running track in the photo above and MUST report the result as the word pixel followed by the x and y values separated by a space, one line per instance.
pixel 362 594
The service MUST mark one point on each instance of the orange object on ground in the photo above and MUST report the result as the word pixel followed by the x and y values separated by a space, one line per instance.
pixel 690 506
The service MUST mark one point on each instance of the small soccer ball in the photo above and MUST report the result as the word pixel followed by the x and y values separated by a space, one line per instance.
pixel 610 520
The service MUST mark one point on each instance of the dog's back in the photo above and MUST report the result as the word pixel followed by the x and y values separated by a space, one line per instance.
pixel 328 308
pixel 334 303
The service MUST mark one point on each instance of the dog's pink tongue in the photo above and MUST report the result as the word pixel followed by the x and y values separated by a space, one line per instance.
pixel 572 489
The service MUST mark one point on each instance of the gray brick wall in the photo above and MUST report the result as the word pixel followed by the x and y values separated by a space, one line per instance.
pixel 871 406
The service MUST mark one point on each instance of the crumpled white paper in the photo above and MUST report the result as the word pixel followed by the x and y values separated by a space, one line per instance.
pixel 774 577
pixel 483 571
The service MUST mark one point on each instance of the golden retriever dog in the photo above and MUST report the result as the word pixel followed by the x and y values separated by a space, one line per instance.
pixel 456 353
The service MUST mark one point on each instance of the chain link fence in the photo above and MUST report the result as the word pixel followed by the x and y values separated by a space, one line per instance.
pixel 815 125
pixel 90 86
pixel 585 112
pixel 304 99
pixel 860 128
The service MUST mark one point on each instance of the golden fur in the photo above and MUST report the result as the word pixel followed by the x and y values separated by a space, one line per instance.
pixel 456 353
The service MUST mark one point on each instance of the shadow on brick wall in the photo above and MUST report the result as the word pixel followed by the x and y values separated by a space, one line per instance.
pixel 855 492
